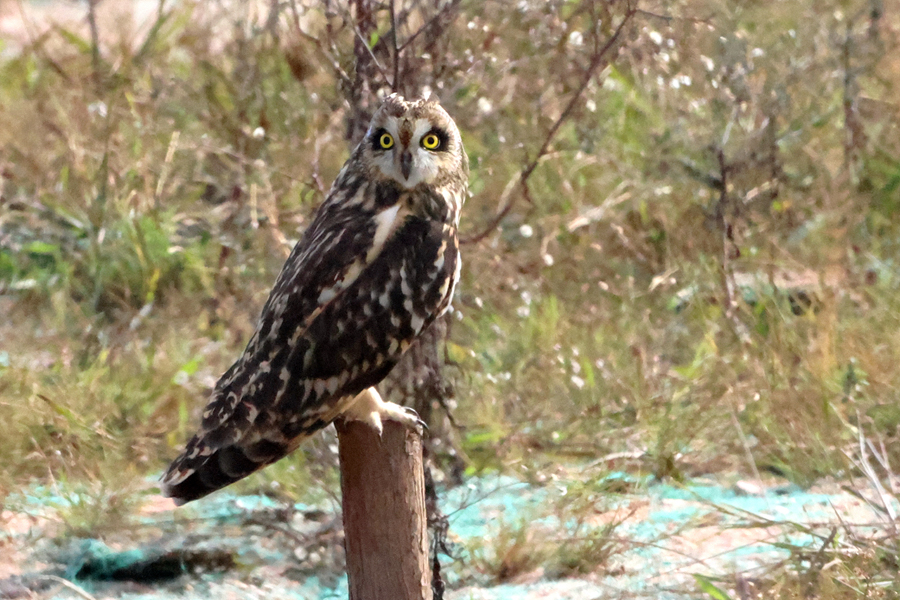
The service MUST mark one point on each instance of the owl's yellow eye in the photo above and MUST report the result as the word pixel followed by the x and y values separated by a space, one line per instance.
pixel 386 140
pixel 431 142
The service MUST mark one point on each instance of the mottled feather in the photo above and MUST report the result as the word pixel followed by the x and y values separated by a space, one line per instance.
pixel 376 267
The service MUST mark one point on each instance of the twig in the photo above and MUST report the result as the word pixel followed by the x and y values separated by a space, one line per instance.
pixel 647 13
pixel 328 56
pixel 860 496
pixel 396 82
pixel 68 584
pixel 371 54
pixel 166 168
pixel 447 8
pixel 725 271
pixel 95 40
pixel 358 94
pixel 866 467
pixel 271 25
pixel 597 60
pixel 746 446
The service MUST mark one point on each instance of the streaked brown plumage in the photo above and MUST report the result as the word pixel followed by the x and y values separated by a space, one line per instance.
pixel 377 266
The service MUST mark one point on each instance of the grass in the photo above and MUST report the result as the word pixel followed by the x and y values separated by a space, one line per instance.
pixel 635 301
pixel 556 537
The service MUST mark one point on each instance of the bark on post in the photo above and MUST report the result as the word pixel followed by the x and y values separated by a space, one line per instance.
pixel 383 490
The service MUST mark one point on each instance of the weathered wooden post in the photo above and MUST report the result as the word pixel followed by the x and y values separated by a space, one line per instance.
pixel 383 489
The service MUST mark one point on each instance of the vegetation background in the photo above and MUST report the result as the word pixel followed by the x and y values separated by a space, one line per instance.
pixel 681 246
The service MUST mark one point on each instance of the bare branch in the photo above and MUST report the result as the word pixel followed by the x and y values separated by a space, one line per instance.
pixel 667 18
pixel 396 53
pixel 371 54
pixel 95 40
pixel 440 14
pixel 317 43
pixel 598 59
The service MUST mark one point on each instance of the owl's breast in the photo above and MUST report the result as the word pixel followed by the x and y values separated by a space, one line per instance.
pixel 401 291
pixel 413 278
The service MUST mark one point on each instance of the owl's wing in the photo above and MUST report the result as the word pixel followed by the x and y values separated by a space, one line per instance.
pixel 355 292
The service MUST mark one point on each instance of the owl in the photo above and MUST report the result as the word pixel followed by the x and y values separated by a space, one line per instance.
pixel 377 265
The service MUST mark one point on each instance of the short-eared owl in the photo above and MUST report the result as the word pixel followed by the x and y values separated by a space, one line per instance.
pixel 376 267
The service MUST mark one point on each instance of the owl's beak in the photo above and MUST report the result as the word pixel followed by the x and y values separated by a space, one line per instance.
pixel 406 163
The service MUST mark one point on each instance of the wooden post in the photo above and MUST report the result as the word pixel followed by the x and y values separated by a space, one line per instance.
pixel 385 530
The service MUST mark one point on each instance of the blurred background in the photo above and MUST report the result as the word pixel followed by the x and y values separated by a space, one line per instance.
pixel 680 249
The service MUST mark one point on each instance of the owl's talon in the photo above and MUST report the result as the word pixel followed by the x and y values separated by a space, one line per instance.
pixel 369 408
pixel 419 422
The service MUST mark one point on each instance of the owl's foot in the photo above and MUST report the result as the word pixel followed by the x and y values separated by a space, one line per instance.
pixel 370 408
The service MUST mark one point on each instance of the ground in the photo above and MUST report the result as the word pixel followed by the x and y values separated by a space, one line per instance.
pixel 255 547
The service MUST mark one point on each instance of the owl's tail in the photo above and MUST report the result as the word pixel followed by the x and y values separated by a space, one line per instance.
pixel 203 469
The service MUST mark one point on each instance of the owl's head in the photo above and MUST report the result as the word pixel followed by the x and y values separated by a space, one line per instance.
pixel 415 142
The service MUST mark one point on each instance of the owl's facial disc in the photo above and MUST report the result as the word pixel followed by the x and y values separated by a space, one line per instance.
pixel 410 151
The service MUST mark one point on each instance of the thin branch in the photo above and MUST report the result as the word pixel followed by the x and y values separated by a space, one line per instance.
pixel 396 53
pixel 371 54
pixel 447 8
pixel 746 445
pixel 95 40
pixel 65 582
pixel 727 237
pixel 271 25
pixel 598 59
pixel 647 13
pixel 317 43
pixel 359 94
